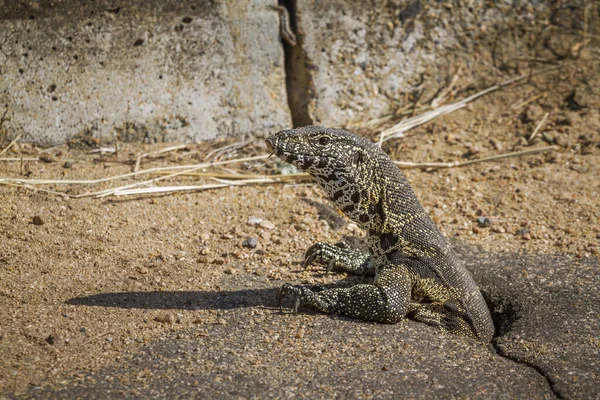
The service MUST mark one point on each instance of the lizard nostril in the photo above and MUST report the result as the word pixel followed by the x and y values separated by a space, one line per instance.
pixel 269 145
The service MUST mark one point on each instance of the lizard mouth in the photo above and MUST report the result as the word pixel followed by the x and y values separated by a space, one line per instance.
pixel 284 155
pixel 270 145
pixel 301 160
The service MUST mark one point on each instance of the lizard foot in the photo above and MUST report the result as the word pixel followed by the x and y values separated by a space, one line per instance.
pixel 339 255
pixel 296 291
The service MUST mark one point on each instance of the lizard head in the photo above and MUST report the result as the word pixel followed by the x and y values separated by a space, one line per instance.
pixel 314 149
pixel 346 166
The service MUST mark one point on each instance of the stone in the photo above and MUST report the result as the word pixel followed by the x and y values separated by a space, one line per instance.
pixel 166 318
pixel 250 242
pixel 253 220
pixel 484 222
pixel 55 340
pixel 266 224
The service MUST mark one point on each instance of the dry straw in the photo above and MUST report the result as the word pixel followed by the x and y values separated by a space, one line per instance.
pixel 228 180
pixel 398 130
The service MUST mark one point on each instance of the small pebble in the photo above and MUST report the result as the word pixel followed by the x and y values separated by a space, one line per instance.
pixel 533 113
pixel 524 233
pixel 497 145
pixel 251 242
pixel 166 318
pixel 254 220
pixel 451 139
pixel 352 227
pixel 498 229
pixel 266 224
pixel 548 138
pixel 560 141
pixel 484 222
pixel 265 235
pixel 47 158
pixel 37 220
pixel 68 164
pixel 55 340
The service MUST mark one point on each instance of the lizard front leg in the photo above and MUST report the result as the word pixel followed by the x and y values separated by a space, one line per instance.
pixel 387 300
pixel 340 255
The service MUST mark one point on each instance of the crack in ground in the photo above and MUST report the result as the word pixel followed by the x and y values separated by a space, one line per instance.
pixel 551 382
pixel 504 314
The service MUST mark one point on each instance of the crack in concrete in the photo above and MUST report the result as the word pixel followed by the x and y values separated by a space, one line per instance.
pixel 504 313
pixel 551 382
pixel 298 80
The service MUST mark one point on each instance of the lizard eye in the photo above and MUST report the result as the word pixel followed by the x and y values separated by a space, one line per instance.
pixel 323 140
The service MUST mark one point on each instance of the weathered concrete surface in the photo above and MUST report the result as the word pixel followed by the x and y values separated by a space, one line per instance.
pixel 549 307
pixel 142 70
pixel 261 353
pixel 358 62
pixel 545 307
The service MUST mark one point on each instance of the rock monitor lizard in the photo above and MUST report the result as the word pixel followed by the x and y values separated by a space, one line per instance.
pixel 417 274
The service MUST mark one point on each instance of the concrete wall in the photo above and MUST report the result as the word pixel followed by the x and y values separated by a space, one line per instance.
pixel 169 70
pixel 141 69
pixel 367 59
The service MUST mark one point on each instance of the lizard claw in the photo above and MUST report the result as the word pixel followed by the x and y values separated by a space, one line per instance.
pixel 296 303
pixel 308 259
pixel 297 293
pixel 312 254
pixel 320 252
pixel 330 266
pixel 318 287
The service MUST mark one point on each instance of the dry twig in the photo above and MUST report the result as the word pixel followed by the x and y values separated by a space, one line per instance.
pixel 522 103
pixel 11 144
pixel 538 127
pixel 128 175
pixel 90 340
pixel 230 179
pixel 454 164
pixel 19 159
pixel 156 153
pixel 398 130
pixel 221 151
pixel 164 189
pixel 103 150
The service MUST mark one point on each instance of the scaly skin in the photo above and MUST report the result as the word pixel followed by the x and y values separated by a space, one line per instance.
pixel 417 274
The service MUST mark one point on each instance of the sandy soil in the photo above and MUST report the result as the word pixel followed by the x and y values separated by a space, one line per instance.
pixel 55 249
